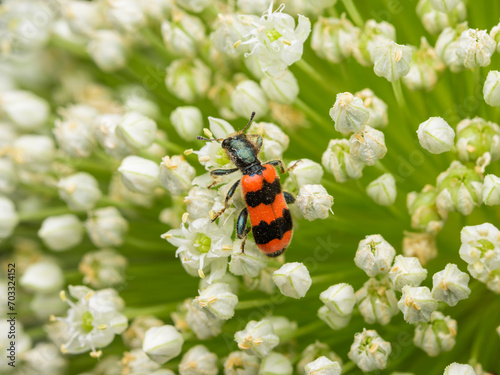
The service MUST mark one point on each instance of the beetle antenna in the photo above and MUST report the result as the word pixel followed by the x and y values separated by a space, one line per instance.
pixel 249 122
pixel 209 139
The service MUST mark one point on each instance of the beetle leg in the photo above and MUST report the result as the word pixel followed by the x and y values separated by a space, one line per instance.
pixel 220 172
pixel 277 163
pixel 241 228
pixel 289 198
pixel 229 195
pixel 291 168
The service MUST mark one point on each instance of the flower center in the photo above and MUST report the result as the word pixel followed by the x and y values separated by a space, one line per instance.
pixel 222 158
pixel 87 320
pixel 273 35
pixel 203 243
pixel 484 245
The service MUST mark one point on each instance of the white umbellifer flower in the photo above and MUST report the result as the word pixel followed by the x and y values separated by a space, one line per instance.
pixel 61 232
pixel 376 107
pixel 8 217
pixel 199 202
pixel 450 285
pixel 314 351
pixel 391 60
pixel 195 6
pixel 349 113
pixel 227 31
pixel 34 152
pixel 447 46
pixel 383 190
pixel 137 99
pixel 305 172
pixel 252 6
pixel 368 145
pixel 139 175
pixel 136 362
pixel 183 34
pixel 338 161
pixel 433 20
pixel 436 136
pixel 220 128
pixel 43 277
pixel 8 175
pixel 323 366
pixel 293 280
pixel 445 6
pixel 333 319
pixel 187 121
pixel 276 364
pixel 274 40
pixel 377 301
pixel 314 202
pixel 417 304
pixel 282 88
pixel 334 39
pixel 274 140
pixel 491 190
pixel 476 137
pixel 82 17
pixel 106 227
pixel 370 36
pixel 475 48
pixel 198 361
pixel 107 49
pixel 44 358
pixel 369 351
pixel 93 321
pixel 406 271
pixel 239 363
pixel 103 268
pixel 105 126
pixel 217 300
pixel 26 110
pixel 163 343
pixel 480 249
pixel 421 245
pixel 134 335
pixel 458 369
pixel 201 322
pixel 436 336
pixel 491 89
pixel 248 97
pixel 125 14
pixel 136 130
pixel 176 174
pixel 424 68
pixel 339 298
pixel 249 263
pixel 188 79
pixel 80 191
pixel 374 255
pixel 258 338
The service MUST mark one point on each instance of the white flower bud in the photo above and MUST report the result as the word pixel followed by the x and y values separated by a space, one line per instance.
pixel 323 366
pixel 107 49
pixel 282 88
pixel 458 369
pixel 249 263
pixel 8 217
pixel 377 301
pixel 106 227
pixel 383 190
pixel 187 121
pixel 274 140
pixel 62 232
pixel 391 60
pixel 332 319
pixel 374 255
pixel 293 280
pixel 162 343
pixel 372 35
pixel 475 48
pixel 34 152
pixel 183 34
pixel 199 202
pixel 369 351
pixel 491 190
pixel 435 135
pixel 80 191
pixel 248 97
pixel 239 363
pixel 137 99
pixel 139 175
pixel 421 245
pixel 176 174
pixel 445 6
pixel 103 268
pixel 228 30
pixel 339 298
pixel 376 107
pixel 349 113
pixel 305 172
pixel 276 364
pixel 42 277
pixel 82 17
pixel 338 161
pixel 406 271
pixel 314 202
pixel 218 300
pixel 491 89
pixel 450 285
pixel 475 137
pixel 26 110
pixel 433 20
pixel 105 126
pixel 368 145
pixel 417 304
pixel 258 338
pixel 136 130
pixel 447 46
pixel 201 322
pixel 8 175
pixel 436 336
pixel 126 14
pixel 314 351
pixel 188 79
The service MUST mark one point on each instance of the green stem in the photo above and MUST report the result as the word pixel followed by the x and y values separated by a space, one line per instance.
pixel 353 13
pixel 159 310
pixel 398 93
pixel 313 114
pixel 347 367
pixel 44 213
pixel 311 72
pixel 170 146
